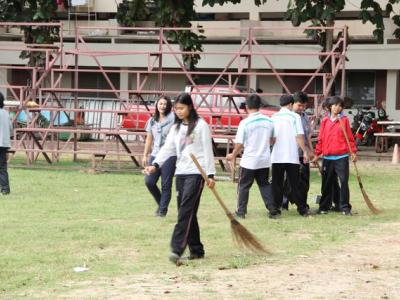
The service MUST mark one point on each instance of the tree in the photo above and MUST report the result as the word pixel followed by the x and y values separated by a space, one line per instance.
pixel 167 13
pixel 33 11
pixel 128 12
pixel 179 13
pixel 323 13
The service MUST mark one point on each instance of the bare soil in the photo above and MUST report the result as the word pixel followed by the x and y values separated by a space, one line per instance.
pixel 368 267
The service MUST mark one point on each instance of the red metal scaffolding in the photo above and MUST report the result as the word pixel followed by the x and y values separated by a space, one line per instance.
pixel 47 91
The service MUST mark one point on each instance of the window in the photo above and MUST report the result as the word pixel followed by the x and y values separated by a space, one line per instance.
pixel 96 80
pixel 360 87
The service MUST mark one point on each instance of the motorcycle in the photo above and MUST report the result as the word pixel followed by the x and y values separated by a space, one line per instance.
pixel 365 125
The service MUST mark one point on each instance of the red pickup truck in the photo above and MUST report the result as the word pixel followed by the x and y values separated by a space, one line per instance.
pixel 222 107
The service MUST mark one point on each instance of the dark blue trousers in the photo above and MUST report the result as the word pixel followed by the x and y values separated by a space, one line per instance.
pixel 331 170
pixel 4 184
pixel 166 172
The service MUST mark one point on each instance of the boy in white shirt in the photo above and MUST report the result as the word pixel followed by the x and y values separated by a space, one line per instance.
pixel 253 136
pixel 289 136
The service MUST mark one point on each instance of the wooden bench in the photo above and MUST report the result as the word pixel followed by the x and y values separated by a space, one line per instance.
pixel 31 132
pixel 381 143
pixel 382 138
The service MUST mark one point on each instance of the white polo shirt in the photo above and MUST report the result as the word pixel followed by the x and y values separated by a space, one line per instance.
pixel 287 126
pixel 254 134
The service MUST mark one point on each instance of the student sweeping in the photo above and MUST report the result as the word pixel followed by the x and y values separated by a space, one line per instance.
pixel 299 106
pixel 190 134
pixel 157 129
pixel 332 146
pixel 335 195
pixel 289 136
pixel 253 136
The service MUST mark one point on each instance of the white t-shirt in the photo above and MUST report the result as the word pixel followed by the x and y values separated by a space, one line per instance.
pixel 254 133
pixel 287 126
pixel 197 143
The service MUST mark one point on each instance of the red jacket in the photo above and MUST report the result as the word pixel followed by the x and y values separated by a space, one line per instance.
pixel 331 140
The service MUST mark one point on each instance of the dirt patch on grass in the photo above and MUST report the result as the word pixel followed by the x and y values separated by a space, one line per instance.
pixel 368 268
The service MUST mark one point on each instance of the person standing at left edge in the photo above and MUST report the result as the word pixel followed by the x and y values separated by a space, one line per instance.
pixel 189 135
pixel 5 144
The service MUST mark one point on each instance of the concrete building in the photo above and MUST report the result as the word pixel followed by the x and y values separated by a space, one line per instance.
pixel 372 70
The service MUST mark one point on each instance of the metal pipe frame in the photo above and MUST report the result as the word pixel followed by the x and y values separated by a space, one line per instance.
pixel 60 61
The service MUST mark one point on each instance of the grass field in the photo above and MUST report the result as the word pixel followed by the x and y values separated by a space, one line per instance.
pixel 56 220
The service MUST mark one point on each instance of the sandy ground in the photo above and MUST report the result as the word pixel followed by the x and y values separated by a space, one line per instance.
pixel 366 268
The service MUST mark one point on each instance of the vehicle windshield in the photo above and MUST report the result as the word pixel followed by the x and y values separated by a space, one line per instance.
pixel 216 99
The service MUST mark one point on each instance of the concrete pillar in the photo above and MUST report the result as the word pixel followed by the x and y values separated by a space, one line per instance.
pixel 124 83
pixel 253 81
pixel 391 93
pixel 4 81
pixel 254 15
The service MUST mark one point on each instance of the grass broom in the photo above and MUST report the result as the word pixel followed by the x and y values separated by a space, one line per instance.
pixel 241 235
pixel 367 200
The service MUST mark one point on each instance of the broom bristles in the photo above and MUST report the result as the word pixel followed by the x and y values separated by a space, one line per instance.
pixel 245 239
pixel 368 201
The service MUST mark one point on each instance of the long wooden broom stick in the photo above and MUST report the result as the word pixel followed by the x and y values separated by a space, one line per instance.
pixel 367 200
pixel 241 235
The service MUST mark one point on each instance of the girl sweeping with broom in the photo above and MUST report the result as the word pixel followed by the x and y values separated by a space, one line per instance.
pixel 189 135
pixel 334 149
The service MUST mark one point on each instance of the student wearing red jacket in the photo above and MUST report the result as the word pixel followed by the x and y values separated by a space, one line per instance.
pixel 332 146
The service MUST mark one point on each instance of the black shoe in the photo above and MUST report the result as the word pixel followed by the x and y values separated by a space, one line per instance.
pixel 334 208
pixel 157 212
pixel 322 212
pixel 194 256
pixel 239 215
pixel 307 213
pixel 162 214
pixel 174 258
pixel 347 213
pixel 274 216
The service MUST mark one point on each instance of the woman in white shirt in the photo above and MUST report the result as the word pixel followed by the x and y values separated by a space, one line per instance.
pixel 157 129
pixel 189 135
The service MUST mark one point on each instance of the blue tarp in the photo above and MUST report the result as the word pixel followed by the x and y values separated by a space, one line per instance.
pixel 61 120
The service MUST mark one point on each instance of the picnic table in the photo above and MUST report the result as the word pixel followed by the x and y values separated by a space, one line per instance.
pixel 382 138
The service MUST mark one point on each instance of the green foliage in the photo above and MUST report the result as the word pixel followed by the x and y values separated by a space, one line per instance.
pixel 130 11
pixel 323 13
pixel 179 13
pixel 372 12
pixel 32 11
pixel 222 2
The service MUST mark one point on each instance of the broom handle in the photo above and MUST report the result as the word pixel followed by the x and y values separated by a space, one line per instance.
pixel 205 177
pixel 316 163
pixel 366 198
pixel 348 145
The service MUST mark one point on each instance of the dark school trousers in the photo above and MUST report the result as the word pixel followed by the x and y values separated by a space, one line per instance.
pixel 303 185
pixel 292 175
pixel 331 170
pixel 187 231
pixel 4 184
pixel 246 179
pixel 166 172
